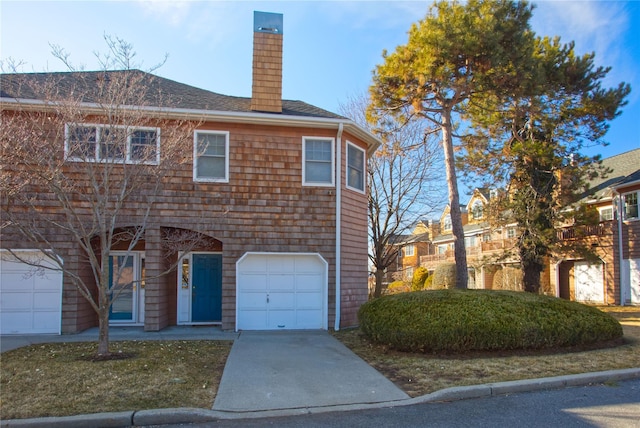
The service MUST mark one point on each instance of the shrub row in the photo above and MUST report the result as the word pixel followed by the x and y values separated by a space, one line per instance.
pixel 482 320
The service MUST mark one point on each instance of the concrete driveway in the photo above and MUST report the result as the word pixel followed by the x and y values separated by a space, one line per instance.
pixel 292 370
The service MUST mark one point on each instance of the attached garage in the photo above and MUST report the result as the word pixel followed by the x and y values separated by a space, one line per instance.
pixel 281 291
pixel 589 283
pixel 30 298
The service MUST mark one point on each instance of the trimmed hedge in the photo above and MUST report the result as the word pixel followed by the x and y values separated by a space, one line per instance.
pixel 482 320
pixel 444 276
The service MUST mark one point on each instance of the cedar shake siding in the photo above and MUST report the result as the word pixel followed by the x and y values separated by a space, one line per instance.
pixel 263 207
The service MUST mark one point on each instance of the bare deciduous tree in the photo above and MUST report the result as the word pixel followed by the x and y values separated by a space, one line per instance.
pixel 83 167
pixel 404 179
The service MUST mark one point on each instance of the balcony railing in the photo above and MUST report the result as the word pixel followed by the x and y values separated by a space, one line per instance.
pixel 583 231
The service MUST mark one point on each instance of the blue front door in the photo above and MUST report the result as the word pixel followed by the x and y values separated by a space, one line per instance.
pixel 206 288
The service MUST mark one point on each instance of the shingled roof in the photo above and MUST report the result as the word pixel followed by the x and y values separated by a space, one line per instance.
pixel 161 92
pixel 624 167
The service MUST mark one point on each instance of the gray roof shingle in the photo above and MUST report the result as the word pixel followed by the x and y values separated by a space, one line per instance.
pixel 160 92
pixel 624 167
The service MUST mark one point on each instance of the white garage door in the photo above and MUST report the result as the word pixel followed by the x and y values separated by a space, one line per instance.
pixel 278 291
pixel 30 298
pixel 589 283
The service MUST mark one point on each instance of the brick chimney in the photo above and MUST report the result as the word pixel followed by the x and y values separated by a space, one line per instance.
pixel 266 94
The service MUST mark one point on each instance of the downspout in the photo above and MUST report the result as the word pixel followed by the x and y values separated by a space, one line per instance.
pixel 620 247
pixel 338 221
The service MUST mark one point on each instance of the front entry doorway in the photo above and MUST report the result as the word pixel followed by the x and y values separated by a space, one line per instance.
pixel 200 289
pixel 126 281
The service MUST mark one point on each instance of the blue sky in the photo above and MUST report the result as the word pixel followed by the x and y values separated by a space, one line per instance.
pixel 330 47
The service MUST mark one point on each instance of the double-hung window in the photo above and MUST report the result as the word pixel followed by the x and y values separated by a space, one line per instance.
pixel 112 143
pixel 211 156
pixel 606 213
pixel 409 251
pixel 630 209
pixel 317 161
pixel 355 167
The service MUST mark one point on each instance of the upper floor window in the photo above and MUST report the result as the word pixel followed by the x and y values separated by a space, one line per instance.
pixel 477 210
pixel 606 213
pixel 211 156
pixel 446 223
pixel 88 142
pixel 355 167
pixel 511 232
pixel 630 209
pixel 317 161
pixel 409 251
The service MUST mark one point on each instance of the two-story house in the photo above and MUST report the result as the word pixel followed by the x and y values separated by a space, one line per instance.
pixel 614 277
pixel 410 248
pixel 280 194
pixel 485 246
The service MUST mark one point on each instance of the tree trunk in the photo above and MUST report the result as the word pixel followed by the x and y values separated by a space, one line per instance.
pixel 103 332
pixel 377 291
pixel 460 253
pixel 105 304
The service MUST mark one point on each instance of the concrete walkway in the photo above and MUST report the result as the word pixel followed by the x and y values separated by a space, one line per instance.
pixel 294 370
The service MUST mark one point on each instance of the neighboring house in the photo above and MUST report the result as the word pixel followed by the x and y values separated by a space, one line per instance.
pixel 484 245
pixel 609 280
pixel 411 247
pixel 286 230
pixel 612 279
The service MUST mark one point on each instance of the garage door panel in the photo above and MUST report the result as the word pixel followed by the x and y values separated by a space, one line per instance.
pixel 282 282
pixel 252 300
pixel 307 300
pixel 47 281
pixel 16 301
pixel 309 282
pixel 282 300
pixel 303 316
pixel 41 320
pixel 255 319
pixel 45 301
pixel 14 281
pixel 282 319
pixel 308 265
pixel 249 282
pixel 254 265
pixel 280 264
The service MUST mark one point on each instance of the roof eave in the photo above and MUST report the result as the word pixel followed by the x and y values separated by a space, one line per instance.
pixel 351 127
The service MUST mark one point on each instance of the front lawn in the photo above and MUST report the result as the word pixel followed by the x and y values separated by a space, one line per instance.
pixel 61 379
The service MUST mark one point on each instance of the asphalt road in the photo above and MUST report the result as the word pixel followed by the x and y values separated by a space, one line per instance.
pixel 615 405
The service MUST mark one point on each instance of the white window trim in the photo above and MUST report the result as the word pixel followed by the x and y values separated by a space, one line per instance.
pixel 411 253
pixel 364 167
pixel 624 205
pixel 96 156
pixel 195 157
pixel 304 162
pixel 607 208
pixel 475 211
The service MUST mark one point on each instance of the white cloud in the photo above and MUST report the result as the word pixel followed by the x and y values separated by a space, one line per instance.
pixel 174 12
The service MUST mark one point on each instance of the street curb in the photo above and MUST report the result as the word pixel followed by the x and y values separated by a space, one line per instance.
pixel 192 415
